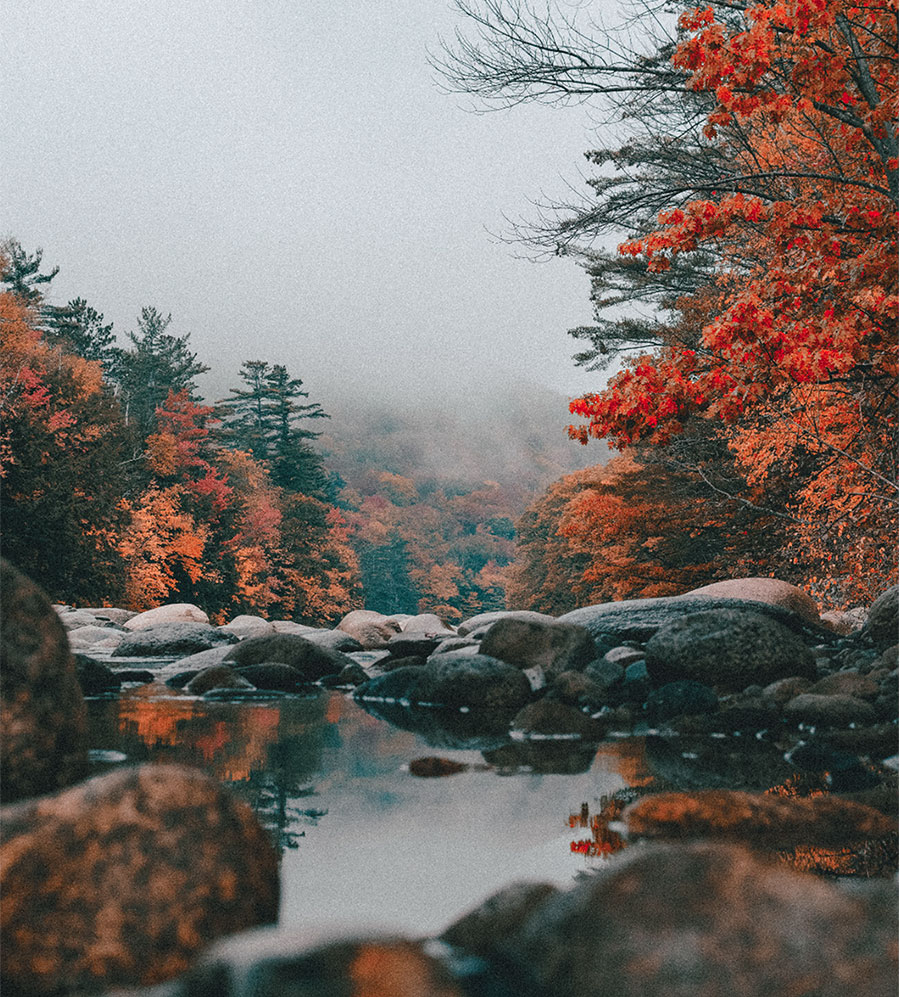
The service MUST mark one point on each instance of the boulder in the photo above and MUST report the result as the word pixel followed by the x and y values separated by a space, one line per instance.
pixel 94 635
pixel 846 684
pixel 372 630
pixel 272 675
pixel 413 643
pixel 176 612
pixel 163 639
pixel 623 656
pixel 110 614
pixel 94 677
pixel 766 820
pixel 845 621
pixel 216 677
pixel 289 627
pixel 427 623
pixel 42 714
pixel 528 644
pixel 768 590
pixel 431 767
pixel 284 961
pixel 483 930
pixel 202 659
pixel 663 921
pixel 310 659
pixel 550 717
pixel 782 690
pixel 334 640
pixel 639 619
pixel 677 698
pixel 483 620
pixel 248 626
pixel 577 689
pixel 473 680
pixel 121 881
pixel 457 644
pixel 728 649
pixel 606 674
pixel 882 622
pixel 73 619
pixel 835 711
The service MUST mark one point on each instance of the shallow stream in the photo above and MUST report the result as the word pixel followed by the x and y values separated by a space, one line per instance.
pixel 366 843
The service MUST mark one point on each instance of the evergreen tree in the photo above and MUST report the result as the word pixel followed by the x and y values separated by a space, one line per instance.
pixel 81 330
pixel 265 418
pixel 21 273
pixel 156 364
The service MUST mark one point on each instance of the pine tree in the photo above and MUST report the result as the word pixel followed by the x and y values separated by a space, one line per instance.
pixel 81 330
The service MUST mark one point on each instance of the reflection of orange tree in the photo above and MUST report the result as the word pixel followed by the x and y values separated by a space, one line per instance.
pixel 603 841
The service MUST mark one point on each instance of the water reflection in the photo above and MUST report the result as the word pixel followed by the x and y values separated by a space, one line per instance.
pixel 378 847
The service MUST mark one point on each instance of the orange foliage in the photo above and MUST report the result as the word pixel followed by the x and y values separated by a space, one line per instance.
pixel 799 354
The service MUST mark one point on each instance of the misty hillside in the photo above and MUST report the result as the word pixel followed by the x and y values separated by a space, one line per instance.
pixel 514 435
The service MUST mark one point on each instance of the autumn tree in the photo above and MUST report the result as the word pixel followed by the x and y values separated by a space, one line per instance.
pixel 61 448
pixel 762 220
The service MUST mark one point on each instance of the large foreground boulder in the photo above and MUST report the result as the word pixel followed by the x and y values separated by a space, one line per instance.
pixel 729 649
pixel 706 920
pixel 42 713
pixel 124 879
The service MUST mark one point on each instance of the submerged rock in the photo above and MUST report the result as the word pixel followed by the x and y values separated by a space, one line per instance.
pixel 42 712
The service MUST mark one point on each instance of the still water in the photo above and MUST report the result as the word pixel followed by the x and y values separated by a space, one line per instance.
pixel 365 843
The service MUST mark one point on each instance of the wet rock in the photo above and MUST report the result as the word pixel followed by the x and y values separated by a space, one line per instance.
pixel 396 685
pixel 310 659
pixel 484 620
pixel 391 664
pixel 839 770
pixel 472 680
pixel 577 689
pixel 94 677
pixel 42 712
pixel 680 922
pixel 636 682
pixel 546 757
pixel 180 679
pixel 158 639
pixel 176 612
pixel 121 881
pixel 350 677
pixel 431 767
pixel 483 930
pixel 284 962
pixel 846 684
pixel 216 677
pixel 372 630
pixel 762 819
pixel 781 691
pixel 552 647
pixel 248 626
pixel 767 590
pixel 728 649
pixel 878 741
pixel 606 674
pixel 457 644
pixel 836 711
pixel 272 675
pixel 134 675
pixel 551 717
pixel 677 698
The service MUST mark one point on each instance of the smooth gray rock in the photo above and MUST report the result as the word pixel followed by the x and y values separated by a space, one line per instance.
pixel 639 619
pixel 553 647
pixel 170 639
pixel 312 660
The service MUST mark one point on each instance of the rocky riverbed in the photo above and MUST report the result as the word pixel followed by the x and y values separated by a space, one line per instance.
pixel 762 852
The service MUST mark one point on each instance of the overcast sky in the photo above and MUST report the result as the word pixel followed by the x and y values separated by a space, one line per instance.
pixel 287 179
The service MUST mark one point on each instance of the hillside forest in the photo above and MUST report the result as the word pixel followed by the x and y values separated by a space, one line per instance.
pixel 739 244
